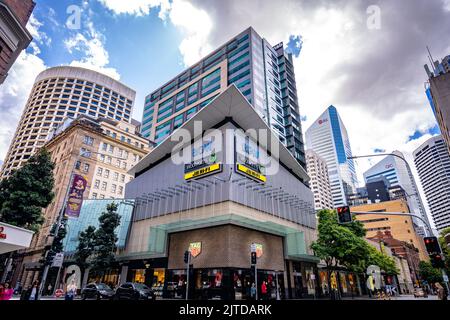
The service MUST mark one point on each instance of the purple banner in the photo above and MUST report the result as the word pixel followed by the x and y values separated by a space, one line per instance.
pixel 75 199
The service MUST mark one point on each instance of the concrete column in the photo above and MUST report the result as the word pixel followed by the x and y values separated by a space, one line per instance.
pixel 123 274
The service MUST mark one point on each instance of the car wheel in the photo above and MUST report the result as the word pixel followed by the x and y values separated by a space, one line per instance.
pixel 99 296
pixel 83 297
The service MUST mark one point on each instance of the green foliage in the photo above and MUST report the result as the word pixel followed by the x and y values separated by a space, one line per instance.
pixel 27 192
pixel 86 247
pixel 105 239
pixel 445 248
pixel 345 245
pixel 429 273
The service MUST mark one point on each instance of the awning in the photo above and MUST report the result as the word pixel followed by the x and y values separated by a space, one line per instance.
pixel 13 238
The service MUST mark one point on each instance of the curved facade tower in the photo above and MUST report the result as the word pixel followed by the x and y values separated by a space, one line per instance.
pixel 63 92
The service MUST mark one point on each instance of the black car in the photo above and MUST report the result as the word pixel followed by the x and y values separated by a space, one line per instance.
pixel 97 291
pixel 134 291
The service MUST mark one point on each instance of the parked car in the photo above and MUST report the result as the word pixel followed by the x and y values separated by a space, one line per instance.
pixel 134 291
pixel 420 293
pixel 97 291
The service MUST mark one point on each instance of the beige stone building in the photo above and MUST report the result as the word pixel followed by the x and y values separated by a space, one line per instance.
pixel 102 150
pixel 317 170
pixel 401 227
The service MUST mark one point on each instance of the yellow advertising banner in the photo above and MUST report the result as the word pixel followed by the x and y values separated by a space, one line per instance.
pixel 203 171
pixel 251 173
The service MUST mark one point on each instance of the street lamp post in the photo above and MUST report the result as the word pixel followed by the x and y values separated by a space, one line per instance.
pixel 63 208
pixel 416 194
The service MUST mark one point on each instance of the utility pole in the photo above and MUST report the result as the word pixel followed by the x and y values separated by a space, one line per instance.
pixel 187 260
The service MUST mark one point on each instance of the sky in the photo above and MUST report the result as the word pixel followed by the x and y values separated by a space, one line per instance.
pixel 364 57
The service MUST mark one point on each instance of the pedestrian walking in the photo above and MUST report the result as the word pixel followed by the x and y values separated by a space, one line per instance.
pixel 71 291
pixel 32 293
pixel 6 292
pixel 253 291
pixel 441 292
pixel 264 290
pixel 370 285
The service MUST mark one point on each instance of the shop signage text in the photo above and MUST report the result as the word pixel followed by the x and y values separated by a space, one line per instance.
pixel 195 248
pixel 251 173
pixel 217 167
pixel 2 235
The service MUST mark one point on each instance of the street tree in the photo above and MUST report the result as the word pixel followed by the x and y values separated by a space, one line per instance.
pixel 445 248
pixel 105 240
pixel 85 248
pixel 429 273
pixel 340 245
pixel 27 192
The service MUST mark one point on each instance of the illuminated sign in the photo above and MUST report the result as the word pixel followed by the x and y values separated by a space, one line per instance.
pixel 195 248
pixel 217 167
pixel 251 173
pixel 250 158
pixel 2 235
pixel 258 249
pixel 203 160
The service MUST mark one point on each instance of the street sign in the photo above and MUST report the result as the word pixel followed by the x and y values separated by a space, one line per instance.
pixel 445 278
pixel 58 260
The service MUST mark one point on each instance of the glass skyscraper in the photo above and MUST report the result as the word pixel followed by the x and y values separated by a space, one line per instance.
pixel 262 72
pixel 328 137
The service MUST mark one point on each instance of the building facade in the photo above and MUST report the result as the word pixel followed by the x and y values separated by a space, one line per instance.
pixel 216 204
pixel 60 93
pixel 401 227
pixel 438 93
pixel 432 160
pixel 328 137
pixel 102 151
pixel 397 173
pixel 320 183
pixel 14 37
pixel 263 73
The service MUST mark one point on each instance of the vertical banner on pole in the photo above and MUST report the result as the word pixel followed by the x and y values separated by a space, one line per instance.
pixel 75 198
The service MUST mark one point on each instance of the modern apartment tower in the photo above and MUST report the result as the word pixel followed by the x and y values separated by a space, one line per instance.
pixel 432 161
pixel 320 182
pixel 397 173
pixel 328 137
pixel 60 93
pixel 438 93
pixel 14 37
pixel 264 75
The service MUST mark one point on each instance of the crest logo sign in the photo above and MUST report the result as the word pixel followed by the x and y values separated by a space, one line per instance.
pixel 258 250
pixel 195 248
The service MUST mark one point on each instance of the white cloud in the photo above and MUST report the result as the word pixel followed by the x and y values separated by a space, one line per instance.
pixel 14 94
pixel 90 44
pixel 136 7
pixel 39 36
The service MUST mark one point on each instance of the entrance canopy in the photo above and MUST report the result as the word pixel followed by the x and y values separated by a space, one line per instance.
pixel 13 238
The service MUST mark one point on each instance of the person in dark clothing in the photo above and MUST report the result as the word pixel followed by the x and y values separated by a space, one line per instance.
pixel 32 293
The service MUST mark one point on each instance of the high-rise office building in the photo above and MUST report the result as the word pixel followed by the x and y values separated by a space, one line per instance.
pixel 320 182
pixel 14 37
pixel 397 173
pixel 328 137
pixel 438 93
pixel 432 160
pixel 63 92
pixel 264 74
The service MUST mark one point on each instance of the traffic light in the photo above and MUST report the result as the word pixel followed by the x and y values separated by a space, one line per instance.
pixel 344 215
pixel 186 256
pixel 437 260
pixel 253 258
pixel 432 245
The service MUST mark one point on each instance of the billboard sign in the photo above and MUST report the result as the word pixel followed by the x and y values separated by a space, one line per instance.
pixel 250 158
pixel 75 199
pixel 195 248
pixel 203 158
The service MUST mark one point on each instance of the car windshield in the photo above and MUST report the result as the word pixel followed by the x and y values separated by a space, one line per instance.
pixel 102 286
pixel 141 286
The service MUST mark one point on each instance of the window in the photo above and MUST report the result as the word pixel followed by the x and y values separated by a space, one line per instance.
pixel 102 196
pixel 88 140
pixel 113 188
pixel 100 171
pixel 116 176
pixel 86 167
pixel 97 184
pixel 122 178
pixel 94 195
pixel 120 190
pixel 118 163
pixel 104 146
pixel 78 165
pixel 104 185
pixel 108 160
pixel 106 173
pixel 85 153
pixel 111 149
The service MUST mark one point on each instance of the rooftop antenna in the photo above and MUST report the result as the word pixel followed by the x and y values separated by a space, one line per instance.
pixel 430 57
